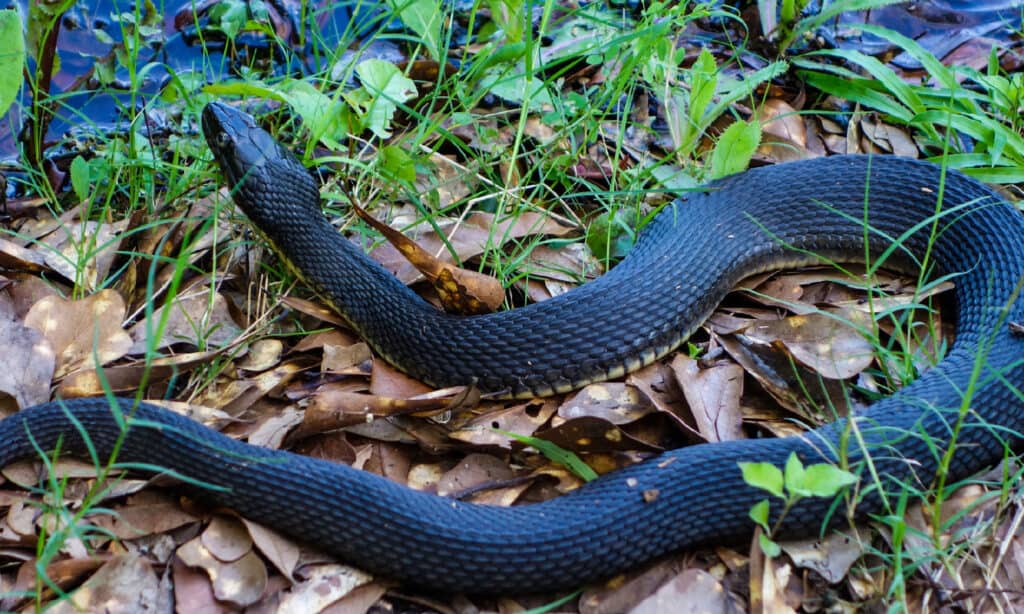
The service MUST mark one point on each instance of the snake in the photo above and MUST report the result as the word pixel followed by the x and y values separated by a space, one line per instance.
pixel 958 417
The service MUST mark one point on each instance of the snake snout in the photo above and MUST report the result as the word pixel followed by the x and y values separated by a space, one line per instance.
pixel 267 181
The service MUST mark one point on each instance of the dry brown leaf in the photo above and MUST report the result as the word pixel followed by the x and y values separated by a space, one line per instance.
pixel 124 584
pixel 83 252
pixel 785 137
pixel 324 585
pixel 127 378
pixel 29 360
pixel 588 434
pixel 622 593
pixel 832 344
pixel 262 355
pixel 273 430
pixel 460 290
pixel 798 389
pixel 424 476
pixel 387 381
pixel 471 472
pixel 694 591
pixel 315 310
pixel 328 337
pixel 831 557
pixel 282 552
pixel 359 600
pixel 83 333
pixel 469 238
pixel 21 518
pixel 521 419
pixel 615 402
pixel 193 592
pixel 241 582
pixel 26 473
pixel 891 139
pixel 338 358
pixel 195 320
pixel 14 257
pixel 713 395
pixel 570 263
pixel 136 520
pixel 226 538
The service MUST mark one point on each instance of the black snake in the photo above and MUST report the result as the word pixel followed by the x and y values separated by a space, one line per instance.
pixel 687 258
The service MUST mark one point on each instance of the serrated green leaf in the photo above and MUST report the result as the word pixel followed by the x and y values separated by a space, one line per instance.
pixel 12 58
pixel 425 18
pixel 735 148
pixel 321 114
pixel 770 548
pixel 765 476
pixel 825 480
pixel 759 513
pixel 385 87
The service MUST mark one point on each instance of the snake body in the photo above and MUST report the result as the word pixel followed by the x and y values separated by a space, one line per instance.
pixel 844 208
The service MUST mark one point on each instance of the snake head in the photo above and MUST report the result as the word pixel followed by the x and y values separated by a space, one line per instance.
pixel 266 180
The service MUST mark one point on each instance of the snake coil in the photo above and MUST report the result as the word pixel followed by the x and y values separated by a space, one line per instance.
pixel 685 261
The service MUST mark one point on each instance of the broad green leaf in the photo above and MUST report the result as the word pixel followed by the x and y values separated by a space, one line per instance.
pixel 80 178
pixel 609 236
pixel 230 17
pixel 759 514
pixel 735 148
pixel 12 58
pixel 703 81
pixel 825 480
pixel 765 476
pixel 795 475
pixel 770 548
pixel 399 163
pixel 321 114
pixel 385 87
pixel 425 18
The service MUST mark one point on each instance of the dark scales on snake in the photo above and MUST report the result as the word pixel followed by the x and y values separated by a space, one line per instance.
pixel 682 266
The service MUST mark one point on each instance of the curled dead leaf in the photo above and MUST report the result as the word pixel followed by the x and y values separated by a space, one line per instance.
pixel 460 290
pixel 713 395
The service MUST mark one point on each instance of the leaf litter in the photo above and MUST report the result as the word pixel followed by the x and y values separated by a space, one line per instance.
pixel 786 352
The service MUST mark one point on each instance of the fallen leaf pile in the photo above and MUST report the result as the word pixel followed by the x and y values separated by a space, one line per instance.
pixel 784 353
